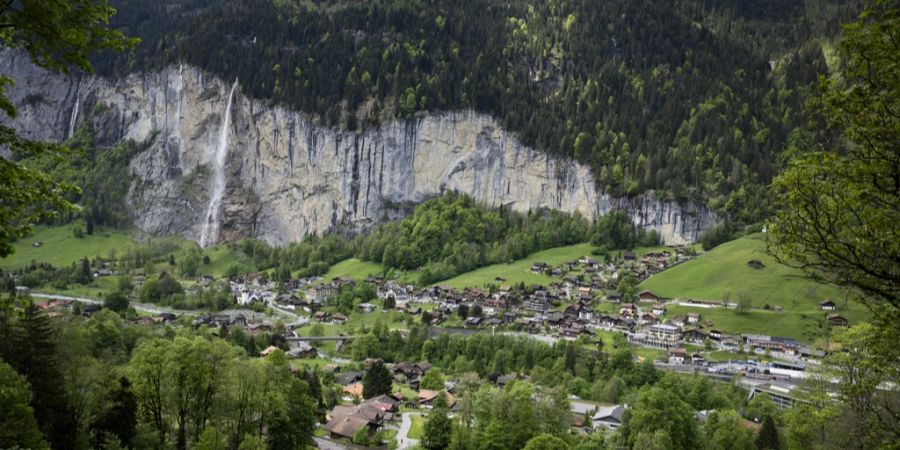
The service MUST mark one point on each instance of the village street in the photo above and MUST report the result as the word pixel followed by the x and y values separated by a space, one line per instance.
pixel 403 440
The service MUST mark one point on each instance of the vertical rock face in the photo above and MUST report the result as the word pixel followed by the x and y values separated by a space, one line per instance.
pixel 287 177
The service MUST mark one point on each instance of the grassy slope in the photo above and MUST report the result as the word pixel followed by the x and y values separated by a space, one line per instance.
pixel 725 268
pixel 353 268
pixel 519 271
pixel 61 248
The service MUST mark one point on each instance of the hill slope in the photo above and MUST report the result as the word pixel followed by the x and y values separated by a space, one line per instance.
pixel 725 268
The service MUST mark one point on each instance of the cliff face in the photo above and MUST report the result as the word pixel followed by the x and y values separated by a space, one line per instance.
pixel 286 177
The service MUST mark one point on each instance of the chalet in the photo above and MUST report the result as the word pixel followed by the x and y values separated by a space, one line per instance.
pixel 678 321
pixel 677 356
pixel 367 308
pixel 649 296
pixel 427 397
pixel 322 316
pixel 262 326
pixel 354 390
pixel 473 322
pixel 339 318
pixel 348 378
pixel 302 350
pixel 614 297
pixel 268 351
pixel 539 267
pixel 346 420
pixel 509 317
pixel 659 309
pixel 609 417
pixel 693 317
pixel 695 336
pixel 411 370
pixel 827 305
pixel 630 256
pixel 555 320
pixel 648 319
pixel 837 320
pixel 697 359
pixel 493 322
pixel 627 310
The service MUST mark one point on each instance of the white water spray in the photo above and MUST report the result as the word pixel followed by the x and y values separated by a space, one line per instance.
pixel 209 233
pixel 73 119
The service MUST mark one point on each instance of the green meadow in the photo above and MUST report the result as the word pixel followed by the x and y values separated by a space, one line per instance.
pixel 725 269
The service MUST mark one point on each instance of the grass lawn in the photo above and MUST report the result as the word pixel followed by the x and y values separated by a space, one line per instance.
pixel 418 426
pixel 725 269
pixel 353 268
pixel 61 248
pixel 221 257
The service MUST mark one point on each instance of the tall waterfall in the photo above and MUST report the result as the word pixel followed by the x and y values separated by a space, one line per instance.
pixel 209 233
pixel 73 119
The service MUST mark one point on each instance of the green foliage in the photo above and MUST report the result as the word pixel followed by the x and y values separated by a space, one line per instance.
pixel 718 234
pixel 837 210
pixel 768 439
pixel 724 431
pixel 18 428
pixel 377 381
pixel 438 429
pixel 30 348
pixel 451 234
pixel 116 301
pixel 660 410
pixel 616 231
pixel 432 380
pixel 546 442
pixel 760 407
pixel 160 289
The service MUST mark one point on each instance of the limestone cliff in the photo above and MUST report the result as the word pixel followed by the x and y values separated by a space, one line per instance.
pixel 286 176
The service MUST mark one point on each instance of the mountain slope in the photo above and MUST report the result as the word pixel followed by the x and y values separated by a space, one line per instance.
pixel 694 98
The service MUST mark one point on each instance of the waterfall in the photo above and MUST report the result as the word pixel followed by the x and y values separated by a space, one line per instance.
pixel 209 233
pixel 73 119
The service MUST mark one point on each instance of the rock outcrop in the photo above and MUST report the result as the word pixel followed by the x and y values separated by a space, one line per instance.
pixel 287 177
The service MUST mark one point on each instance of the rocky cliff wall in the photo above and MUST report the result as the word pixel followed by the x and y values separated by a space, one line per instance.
pixel 286 176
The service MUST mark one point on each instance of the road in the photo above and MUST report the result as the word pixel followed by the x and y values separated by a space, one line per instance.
pixel 328 444
pixel 403 440
pixel 153 309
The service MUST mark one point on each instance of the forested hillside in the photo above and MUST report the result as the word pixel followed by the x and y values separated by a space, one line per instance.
pixel 696 98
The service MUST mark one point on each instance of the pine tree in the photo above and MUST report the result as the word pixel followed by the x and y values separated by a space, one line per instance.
pixel 35 357
pixel 767 439
pixel 377 381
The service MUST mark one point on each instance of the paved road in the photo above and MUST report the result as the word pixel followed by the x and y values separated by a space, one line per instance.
pixel 403 440
pixel 328 444
pixel 153 309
